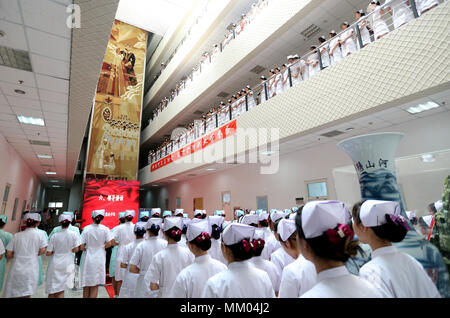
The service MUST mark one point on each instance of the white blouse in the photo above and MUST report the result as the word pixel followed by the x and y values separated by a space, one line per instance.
pixel 297 278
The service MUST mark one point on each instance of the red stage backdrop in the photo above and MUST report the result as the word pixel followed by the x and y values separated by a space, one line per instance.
pixel 113 196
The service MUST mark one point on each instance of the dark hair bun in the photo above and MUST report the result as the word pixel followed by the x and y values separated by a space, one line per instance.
pixel 154 229
pixel 242 250
pixel 216 231
pixel 2 223
pixel 393 231
pixel 203 241
pixel 98 219
pixel 129 218
pixel 174 233
pixel 140 231
pixel 30 222
pixel 264 223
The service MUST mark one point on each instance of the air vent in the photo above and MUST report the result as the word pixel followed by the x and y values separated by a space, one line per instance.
pixel 333 133
pixel 310 31
pixel 223 94
pixel 15 58
pixel 39 143
pixel 198 112
pixel 257 69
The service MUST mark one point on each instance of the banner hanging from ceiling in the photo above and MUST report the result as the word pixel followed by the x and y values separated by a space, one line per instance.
pixel 116 120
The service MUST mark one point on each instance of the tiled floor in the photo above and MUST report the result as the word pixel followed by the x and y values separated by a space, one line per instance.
pixel 70 293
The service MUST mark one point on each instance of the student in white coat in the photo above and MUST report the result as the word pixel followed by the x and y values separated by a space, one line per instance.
pixel 426 5
pixel 168 263
pixel 299 276
pixel 143 255
pixel 263 226
pixel 264 89
pixel 271 88
pixel 401 12
pixel 216 222
pixel 94 240
pixel 312 61
pixel 364 27
pixel 128 287
pixel 70 228
pixel 24 249
pixel 346 39
pixel 335 48
pixel 250 98
pixel 278 84
pixel 123 236
pixel 112 260
pixel 326 240
pixel 272 243
pixel 380 28
pixel 241 279
pixel 324 54
pixel 61 268
pixel 191 281
pixel 288 252
pixel 380 224
pixel 263 264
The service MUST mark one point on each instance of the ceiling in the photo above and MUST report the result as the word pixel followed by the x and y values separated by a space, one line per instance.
pixel 38 27
pixel 329 15
pixel 379 121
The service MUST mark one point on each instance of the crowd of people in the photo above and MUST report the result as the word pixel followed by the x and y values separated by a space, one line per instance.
pixel 326 53
pixel 317 250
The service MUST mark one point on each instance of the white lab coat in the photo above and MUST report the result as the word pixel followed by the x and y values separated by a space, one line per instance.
pixel 250 100
pixel 92 271
pixel 216 251
pixel 272 244
pixel 313 58
pixel 279 80
pixel 337 53
pixel 349 45
pixel 401 13
pixel 240 280
pixel 61 268
pixel 182 242
pixel 378 24
pixel 423 5
pixel 124 235
pixel 296 73
pixel 324 55
pixel 23 275
pixel 191 281
pixel 128 288
pixel 339 283
pixel 297 278
pixel 165 267
pixel 142 258
pixel 406 281
pixel 269 268
pixel 305 70
pixel 365 35
pixel 281 259
pixel 271 90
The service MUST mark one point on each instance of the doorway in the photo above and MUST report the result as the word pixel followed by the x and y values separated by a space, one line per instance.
pixel 198 204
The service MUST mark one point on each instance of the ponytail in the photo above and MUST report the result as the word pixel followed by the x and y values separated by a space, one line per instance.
pixel 174 233
pixel 203 241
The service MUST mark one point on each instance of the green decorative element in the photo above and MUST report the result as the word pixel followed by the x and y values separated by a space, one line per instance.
pixel 442 225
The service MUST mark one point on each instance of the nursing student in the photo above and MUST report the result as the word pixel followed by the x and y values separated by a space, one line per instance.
pixel 95 239
pixel 326 240
pixel 5 237
pixel 112 260
pixel 191 281
pixel 143 255
pixel 241 279
pixel 288 252
pixel 379 224
pixel 299 276
pixel 24 250
pixel 168 263
pixel 216 222
pixel 61 267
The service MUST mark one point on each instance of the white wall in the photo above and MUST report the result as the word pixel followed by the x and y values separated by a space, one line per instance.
pixel 245 183
pixel 24 183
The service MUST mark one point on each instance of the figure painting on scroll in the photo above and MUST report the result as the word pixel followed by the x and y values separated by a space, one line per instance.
pixel 114 136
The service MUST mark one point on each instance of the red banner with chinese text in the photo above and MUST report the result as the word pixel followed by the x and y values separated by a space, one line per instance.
pixel 113 196
pixel 209 139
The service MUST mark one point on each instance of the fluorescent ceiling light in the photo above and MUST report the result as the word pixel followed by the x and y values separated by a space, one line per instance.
pixel 155 185
pixel 45 156
pixel 31 120
pixel 427 158
pixel 174 179
pixel 50 172
pixel 267 153
pixel 210 169
pixel 422 107
pixel 56 186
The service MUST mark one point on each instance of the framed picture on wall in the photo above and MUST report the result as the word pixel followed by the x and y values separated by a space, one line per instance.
pixel 16 204
pixel 178 201
pixel 261 203
pixel 317 189
pixel 226 202
pixel 5 198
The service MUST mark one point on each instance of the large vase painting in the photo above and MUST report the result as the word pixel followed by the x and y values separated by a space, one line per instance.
pixel 373 157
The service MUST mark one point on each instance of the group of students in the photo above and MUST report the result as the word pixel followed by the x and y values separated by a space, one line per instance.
pixel 297 69
pixel 299 252
pixel 208 57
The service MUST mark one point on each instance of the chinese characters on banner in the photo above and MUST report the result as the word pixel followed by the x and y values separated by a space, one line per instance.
pixel 113 196
pixel 209 139
pixel 381 164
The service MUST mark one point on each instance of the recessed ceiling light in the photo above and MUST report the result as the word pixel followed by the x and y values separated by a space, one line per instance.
pixel 210 169
pixel 19 91
pixel 44 156
pixel 50 172
pixel 31 121
pixel 422 107
pixel 427 158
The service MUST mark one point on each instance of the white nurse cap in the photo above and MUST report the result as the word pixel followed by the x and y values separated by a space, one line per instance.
pixel 263 216
pixel 236 232
pixel 438 205
pixel 140 225
pixel 65 217
pixel 33 216
pixel 292 216
pixel 285 229
pixel 186 221
pixel 172 221
pixel 275 216
pixel 129 212
pixel 239 213
pixel 179 211
pixel 155 211
pixel 319 216
pixel 96 213
pixel 155 221
pixel 410 214
pixel 197 228
pixel 198 212
pixel 215 220
pixel 259 234
pixel 249 219
pixel 167 213
pixel 373 212
pixel 427 219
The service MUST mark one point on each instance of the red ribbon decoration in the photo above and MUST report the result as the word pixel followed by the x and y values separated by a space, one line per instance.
pixel 246 245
